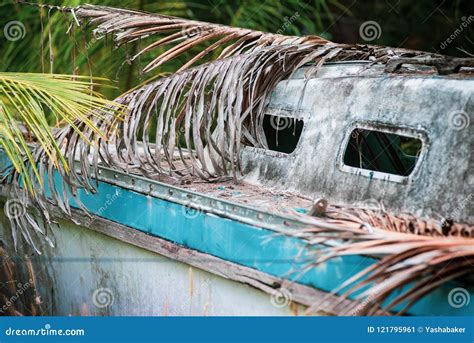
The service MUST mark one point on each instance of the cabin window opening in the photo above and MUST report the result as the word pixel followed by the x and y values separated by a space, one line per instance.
pixel 382 152
pixel 282 133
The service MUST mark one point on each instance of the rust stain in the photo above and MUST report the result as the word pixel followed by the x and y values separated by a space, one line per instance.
pixel 294 308
pixel 165 309
pixel 191 286
pixel 85 310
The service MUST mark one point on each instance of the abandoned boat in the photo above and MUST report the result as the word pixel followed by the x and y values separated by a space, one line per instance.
pixel 200 248
pixel 349 193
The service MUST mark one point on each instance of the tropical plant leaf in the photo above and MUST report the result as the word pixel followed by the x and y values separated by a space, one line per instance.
pixel 402 222
pixel 211 109
pixel 129 26
pixel 24 101
pixel 410 266
pixel 25 98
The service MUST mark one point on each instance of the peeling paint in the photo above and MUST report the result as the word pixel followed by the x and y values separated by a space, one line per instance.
pixel 341 96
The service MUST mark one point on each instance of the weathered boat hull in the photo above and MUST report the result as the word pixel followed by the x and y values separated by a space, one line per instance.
pixel 234 247
pixel 342 98
pixel 89 273
pixel 159 249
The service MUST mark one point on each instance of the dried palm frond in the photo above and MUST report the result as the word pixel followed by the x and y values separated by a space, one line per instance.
pixel 410 267
pixel 406 266
pixel 205 112
pixel 414 256
pixel 129 26
pixel 402 222
pixel 213 108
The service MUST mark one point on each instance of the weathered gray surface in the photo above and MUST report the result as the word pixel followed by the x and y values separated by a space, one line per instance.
pixel 90 273
pixel 138 274
pixel 339 99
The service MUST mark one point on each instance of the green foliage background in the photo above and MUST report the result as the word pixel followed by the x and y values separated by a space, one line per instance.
pixel 421 24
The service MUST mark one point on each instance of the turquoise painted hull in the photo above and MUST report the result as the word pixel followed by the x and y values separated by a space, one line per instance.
pixel 235 240
pixel 241 243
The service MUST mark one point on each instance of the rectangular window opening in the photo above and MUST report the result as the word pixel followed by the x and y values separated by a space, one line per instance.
pixel 282 133
pixel 382 152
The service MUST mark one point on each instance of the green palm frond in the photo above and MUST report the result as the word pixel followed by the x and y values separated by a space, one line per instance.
pixel 25 99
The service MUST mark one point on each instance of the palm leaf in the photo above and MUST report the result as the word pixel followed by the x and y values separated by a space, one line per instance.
pixel 401 222
pixel 210 109
pixel 25 99
pixel 130 26
pixel 410 266
pixel 182 35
